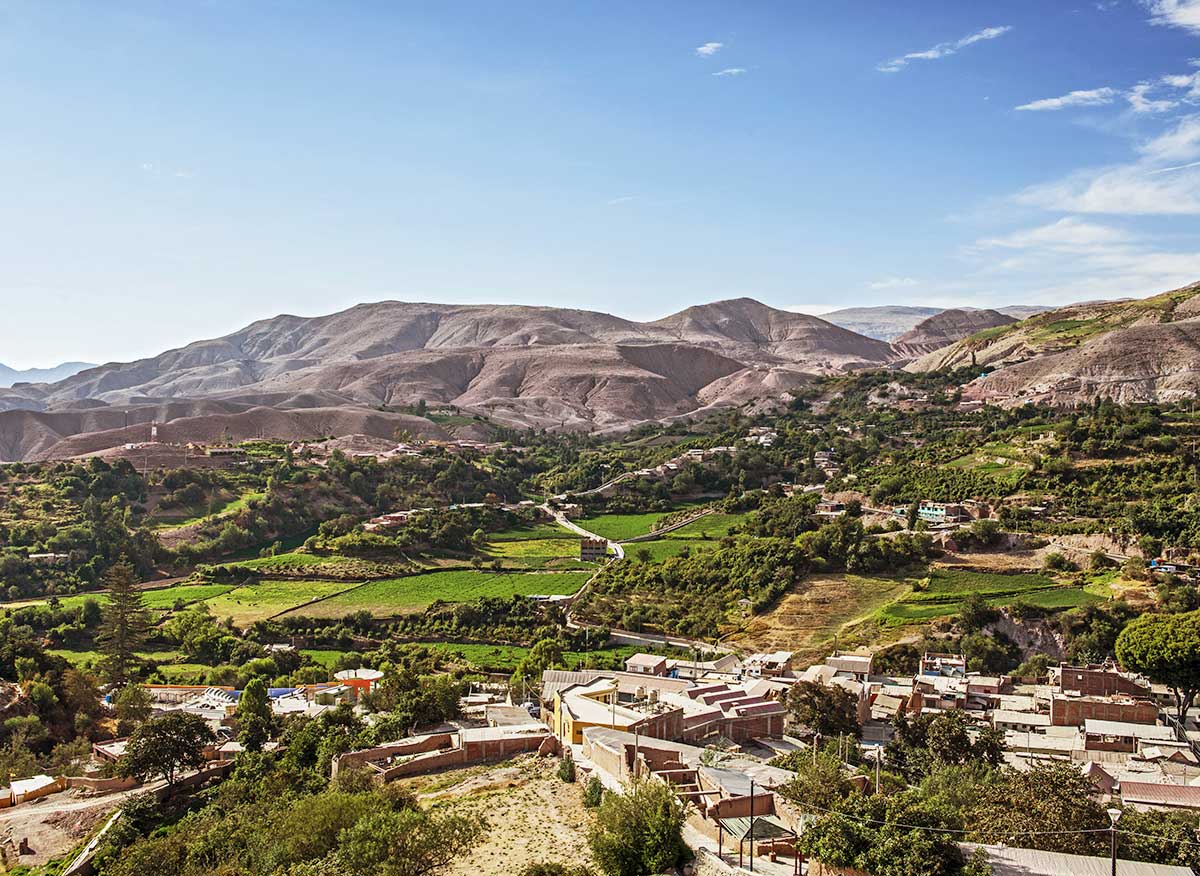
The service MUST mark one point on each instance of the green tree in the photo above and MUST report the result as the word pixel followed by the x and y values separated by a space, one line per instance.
pixel 132 705
pixel 407 842
pixel 1047 807
pixel 640 831
pixel 165 745
pixel 124 624
pixel 254 716
pixel 1167 649
pixel 829 711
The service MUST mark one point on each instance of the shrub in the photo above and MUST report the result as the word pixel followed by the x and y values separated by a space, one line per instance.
pixel 593 793
pixel 566 769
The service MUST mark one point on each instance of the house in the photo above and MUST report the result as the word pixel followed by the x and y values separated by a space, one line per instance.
pixel 647 664
pixel 1100 681
pixel 948 665
pixel 596 704
pixel 770 665
pixel 1072 710
pixel 942 512
pixel 856 665
pixel 27 790
pixel 1019 722
pixel 831 509
pixel 49 559
pixel 593 550
pixel 1155 795
pixel 1119 736
pixel 359 681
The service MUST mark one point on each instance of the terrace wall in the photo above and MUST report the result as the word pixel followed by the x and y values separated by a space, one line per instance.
pixel 475 751
pixel 402 748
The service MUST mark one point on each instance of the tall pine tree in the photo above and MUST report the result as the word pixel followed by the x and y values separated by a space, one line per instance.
pixel 124 624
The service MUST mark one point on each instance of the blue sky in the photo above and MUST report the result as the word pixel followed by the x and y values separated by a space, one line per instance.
pixel 173 170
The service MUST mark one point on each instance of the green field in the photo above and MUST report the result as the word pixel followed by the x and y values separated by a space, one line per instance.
pixel 619 527
pixel 535 547
pixel 161 599
pixel 947 588
pixel 714 526
pixel 397 596
pixel 226 509
pixel 264 599
pixel 504 658
pixel 523 533
pixel 665 548
pixel 345 568
pixel 325 657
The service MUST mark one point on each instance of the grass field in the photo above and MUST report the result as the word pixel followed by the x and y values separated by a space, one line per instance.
pixel 162 599
pixel 524 533
pixel 226 509
pixel 264 599
pixel 947 588
pixel 665 548
pixel 323 656
pixel 620 527
pixel 534 547
pixel 397 596
pixel 504 658
pixel 345 568
pixel 715 526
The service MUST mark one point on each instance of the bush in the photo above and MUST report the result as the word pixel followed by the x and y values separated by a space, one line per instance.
pixel 566 769
pixel 1056 562
pixel 593 793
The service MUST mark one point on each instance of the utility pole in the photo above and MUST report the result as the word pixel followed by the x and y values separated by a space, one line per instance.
pixel 752 826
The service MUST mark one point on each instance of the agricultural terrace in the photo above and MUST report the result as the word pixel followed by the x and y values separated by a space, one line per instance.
pixel 267 598
pixel 397 596
pixel 942 593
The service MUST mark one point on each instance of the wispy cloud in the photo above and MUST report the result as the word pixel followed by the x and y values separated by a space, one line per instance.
pixel 1165 88
pixel 893 283
pixel 709 49
pixel 1090 97
pixel 731 71
pixel 624 199
pixel 1074 260
pixel 1163 180
pixel 942 50
pixel 1175 13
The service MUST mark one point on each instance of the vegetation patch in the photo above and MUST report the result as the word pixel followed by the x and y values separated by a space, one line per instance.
pixel 264 599
pixel 398 596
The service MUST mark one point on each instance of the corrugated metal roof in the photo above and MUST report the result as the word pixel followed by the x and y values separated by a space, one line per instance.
pixel 1155 794
pixel 1008 861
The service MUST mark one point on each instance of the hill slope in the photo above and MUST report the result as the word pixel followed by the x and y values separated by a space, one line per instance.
pixel 524 366
pixel 9 376
pixel 945 328
pixel 1133 351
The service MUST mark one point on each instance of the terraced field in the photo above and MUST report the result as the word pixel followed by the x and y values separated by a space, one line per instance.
pixel 392 597
pixel 947 588
pixel 264 599
pixel 161 599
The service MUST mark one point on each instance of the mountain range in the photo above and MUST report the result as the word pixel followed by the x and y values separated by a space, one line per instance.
pixel 361 371
pixel 889 321
pixel 9 376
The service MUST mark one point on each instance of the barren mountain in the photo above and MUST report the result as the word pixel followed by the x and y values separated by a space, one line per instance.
pixel 524 366
pixel 1132 350
pixel 9 376
pixel 885 323
pixel 944 329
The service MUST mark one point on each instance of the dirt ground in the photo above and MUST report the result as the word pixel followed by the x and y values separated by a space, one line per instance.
pixel 55 825
pixel 808 617
pixel 532 815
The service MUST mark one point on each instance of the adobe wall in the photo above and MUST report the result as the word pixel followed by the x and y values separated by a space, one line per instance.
pixel 1068 712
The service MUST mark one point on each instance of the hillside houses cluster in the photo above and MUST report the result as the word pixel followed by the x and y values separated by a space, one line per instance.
pixel 1112 724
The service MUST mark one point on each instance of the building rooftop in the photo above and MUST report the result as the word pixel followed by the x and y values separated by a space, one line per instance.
pixel 1124 728
pixel 1009 861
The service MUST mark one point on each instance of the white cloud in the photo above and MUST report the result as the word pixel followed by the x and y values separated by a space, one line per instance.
pixel 1075 260
pixel 1139 103
pixel 893 283
pixel 1068 233
pixel 624 199
pixel 1175 13
pixel 941 50
pixel 731 71
pixel 1091 97
pixel 709 49
pixel 1140 187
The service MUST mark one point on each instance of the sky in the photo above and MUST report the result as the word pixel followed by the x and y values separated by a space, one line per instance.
pixel 171 171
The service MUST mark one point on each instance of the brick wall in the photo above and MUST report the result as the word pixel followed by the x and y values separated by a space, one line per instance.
pixel 1098 682
pixel 1071 712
